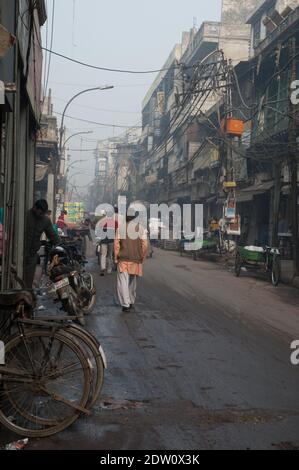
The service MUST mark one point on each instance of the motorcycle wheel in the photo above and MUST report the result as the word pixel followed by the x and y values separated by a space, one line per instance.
pixel 73 310
pixel 89 283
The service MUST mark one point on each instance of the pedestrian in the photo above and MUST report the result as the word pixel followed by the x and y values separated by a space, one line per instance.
pixel 130 254
pixel 55 228
pixel 37 223
pixel 110 227
pixel 61 221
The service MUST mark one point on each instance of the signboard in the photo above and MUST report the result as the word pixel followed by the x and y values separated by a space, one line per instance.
pixel 230 208
pixel 234 226
pixel 75 211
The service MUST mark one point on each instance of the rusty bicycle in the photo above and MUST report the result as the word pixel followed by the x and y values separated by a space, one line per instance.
pixel 53 370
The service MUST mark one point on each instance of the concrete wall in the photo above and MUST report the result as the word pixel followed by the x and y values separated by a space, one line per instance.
pixel 174 56
pixel 235 34
pixel 238 11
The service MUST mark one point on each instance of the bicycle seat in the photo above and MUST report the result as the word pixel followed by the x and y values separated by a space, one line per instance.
pixel 16 297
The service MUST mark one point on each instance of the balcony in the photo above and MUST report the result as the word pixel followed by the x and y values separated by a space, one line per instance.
pixel 204 42
pixel 47 135
pixel 285 29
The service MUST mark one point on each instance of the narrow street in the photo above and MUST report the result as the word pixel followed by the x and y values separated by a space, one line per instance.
pixel 121 128
pixel 203 363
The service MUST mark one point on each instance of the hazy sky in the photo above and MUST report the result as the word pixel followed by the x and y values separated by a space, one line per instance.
pixel 126 34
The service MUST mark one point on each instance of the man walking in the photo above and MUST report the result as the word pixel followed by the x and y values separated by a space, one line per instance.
pixel 109 227
pixel 130 254
pixel 37 223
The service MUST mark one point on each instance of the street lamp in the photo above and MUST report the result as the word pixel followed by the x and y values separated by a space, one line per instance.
pixel 61 131
pixel 108 87
pixel 68 181
pixel 68 139
pixel 74 163
pixel 74 135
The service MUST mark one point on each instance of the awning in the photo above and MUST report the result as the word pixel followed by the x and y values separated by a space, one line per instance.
pixel 247 194
pixel 7 40
pixel 40 172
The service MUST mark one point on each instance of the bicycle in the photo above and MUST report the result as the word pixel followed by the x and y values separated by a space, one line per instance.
pixel 53 370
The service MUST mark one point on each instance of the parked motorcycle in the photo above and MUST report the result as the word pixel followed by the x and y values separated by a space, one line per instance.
pixel 76 259
pixel 86 286
pixel 75 289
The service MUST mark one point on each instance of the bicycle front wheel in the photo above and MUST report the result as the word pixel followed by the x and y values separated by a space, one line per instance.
pixel 47 384
pixel 92 347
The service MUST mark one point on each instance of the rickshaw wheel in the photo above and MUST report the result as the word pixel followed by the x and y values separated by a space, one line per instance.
pixel 275 271
pixel 238 265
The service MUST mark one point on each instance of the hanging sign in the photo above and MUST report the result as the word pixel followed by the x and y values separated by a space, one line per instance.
pixel 234 226
pixel 230 208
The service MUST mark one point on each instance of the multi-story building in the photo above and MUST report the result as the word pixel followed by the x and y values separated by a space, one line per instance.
pixel 20 112
pixel 178 151
pixel 47 156
pixel 158 108
pixel 275 124
pixel 252 55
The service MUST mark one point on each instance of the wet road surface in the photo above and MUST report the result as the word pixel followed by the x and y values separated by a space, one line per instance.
pixel 202 363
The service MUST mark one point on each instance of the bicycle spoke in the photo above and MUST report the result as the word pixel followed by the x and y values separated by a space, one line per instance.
pixel 48 385
pixel 64 371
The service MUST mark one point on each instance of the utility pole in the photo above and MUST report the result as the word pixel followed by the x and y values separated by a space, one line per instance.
pixel 277 167
pixel 97 176
pixel 293 164
pixel 230 171
pixel 276 202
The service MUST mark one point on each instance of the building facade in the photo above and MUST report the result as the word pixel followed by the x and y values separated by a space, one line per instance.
pixel 20 112
pixel 47 156
pixel 239 70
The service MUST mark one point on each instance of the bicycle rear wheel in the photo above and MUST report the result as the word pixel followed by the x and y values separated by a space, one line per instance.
pixel 46 385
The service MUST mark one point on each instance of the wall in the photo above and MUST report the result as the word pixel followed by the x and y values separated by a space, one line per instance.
pixel 18 142
pixel 234 38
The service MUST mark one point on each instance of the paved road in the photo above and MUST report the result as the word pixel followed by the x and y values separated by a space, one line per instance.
pixel 203 363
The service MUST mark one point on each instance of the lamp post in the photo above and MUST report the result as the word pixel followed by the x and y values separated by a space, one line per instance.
pixel 74 135
pixel 61 131
pixel 63 148
pixel 68 183
pixel 68 139
pixel 67 173
pixel 74 163
pixel 108 87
